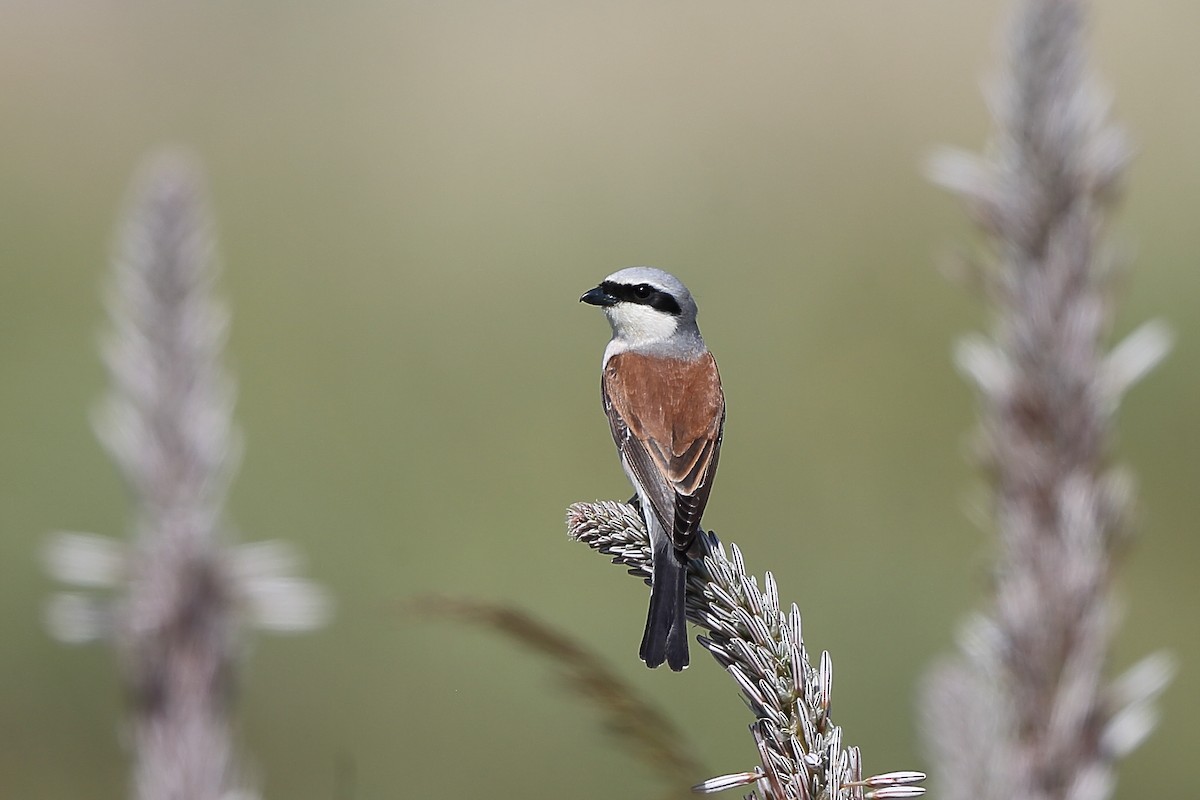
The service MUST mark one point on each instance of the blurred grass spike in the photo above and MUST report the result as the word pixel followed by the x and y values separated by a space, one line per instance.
pixel 1026 710
pixel 761 648
pixel 181 590
pixel 636 723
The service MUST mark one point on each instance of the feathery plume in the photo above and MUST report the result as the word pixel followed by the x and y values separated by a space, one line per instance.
pixel 1026 711
pixel 179 587
pixel 761 647
pixel 631 718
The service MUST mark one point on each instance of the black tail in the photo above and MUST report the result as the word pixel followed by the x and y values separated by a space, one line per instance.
pixel 665 638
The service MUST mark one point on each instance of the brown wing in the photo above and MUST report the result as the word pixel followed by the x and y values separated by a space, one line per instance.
pixel 667 417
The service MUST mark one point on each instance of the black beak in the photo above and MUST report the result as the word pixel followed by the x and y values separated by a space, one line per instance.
pixel 598 297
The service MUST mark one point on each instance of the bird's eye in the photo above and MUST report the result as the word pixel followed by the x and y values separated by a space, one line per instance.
pixel 643 291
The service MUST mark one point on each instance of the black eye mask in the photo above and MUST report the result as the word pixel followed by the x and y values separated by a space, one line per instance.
pixel 643 294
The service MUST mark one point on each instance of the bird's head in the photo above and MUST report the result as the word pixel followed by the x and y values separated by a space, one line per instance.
pixel 648 309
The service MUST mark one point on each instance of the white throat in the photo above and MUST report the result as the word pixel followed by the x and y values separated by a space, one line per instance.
pixel 640 325
pixel 642 328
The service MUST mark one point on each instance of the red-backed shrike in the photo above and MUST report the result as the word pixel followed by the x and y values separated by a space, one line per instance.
pixel 662 395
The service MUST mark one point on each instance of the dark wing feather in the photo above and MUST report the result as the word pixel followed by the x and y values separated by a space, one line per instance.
pixel 690 503
pixel 653 483
pixel 667 418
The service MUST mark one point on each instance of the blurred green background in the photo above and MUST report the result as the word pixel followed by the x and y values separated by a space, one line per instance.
pixel 410 197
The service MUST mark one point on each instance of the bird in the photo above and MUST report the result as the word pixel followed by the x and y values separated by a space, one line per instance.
pixel 662 394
